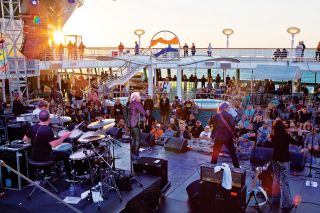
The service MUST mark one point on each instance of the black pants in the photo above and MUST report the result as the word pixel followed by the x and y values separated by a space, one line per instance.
pixel 230 146
pixel 63 156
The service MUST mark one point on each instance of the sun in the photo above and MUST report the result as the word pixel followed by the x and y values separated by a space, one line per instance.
pixel 58 37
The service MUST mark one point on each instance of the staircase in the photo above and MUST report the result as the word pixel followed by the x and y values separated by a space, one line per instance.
pixel 124 74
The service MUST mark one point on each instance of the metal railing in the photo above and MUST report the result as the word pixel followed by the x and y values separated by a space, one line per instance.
pixel 240 53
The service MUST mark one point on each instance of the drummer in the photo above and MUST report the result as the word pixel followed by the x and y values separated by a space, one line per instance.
pixel 42 105
pixel 42 139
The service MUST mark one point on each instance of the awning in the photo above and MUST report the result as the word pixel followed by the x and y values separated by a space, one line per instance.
pixel 276 72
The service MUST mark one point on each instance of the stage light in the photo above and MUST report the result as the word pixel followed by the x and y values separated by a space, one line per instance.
pixel 34 2
pixel 58 37
pixel 72 1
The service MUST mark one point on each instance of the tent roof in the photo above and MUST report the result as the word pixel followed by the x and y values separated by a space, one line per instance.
pixel 277 72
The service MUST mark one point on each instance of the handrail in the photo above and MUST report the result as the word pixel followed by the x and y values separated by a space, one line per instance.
pixel 244 53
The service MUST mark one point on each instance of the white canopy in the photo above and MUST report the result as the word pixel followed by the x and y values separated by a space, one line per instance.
pixel 276 72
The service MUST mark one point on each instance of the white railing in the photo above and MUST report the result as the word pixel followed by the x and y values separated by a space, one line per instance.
pixel 240 53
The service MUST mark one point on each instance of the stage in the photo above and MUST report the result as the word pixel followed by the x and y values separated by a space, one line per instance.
pixel 182 170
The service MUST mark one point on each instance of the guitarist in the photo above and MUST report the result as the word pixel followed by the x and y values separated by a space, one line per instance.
pixel 224 131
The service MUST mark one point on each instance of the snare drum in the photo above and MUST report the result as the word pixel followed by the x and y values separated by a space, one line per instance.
pixel 64 147
pixel 79 162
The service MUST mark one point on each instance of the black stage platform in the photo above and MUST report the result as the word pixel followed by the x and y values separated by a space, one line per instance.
pixel 182 170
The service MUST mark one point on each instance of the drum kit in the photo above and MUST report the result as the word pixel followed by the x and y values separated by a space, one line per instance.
pixel 91 156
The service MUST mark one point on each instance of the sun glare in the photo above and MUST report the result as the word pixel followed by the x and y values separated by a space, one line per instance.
pixel 58 37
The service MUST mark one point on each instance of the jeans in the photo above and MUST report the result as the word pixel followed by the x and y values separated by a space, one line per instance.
pixel 280 186
pixel 135 141
pixel 230 146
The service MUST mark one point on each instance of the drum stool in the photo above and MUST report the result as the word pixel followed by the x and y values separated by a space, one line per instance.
pixel 41 174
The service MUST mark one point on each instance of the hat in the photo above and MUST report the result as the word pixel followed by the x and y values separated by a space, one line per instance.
pixel 223 106
pixel 158 125
pixel 44 115
pixel 207 127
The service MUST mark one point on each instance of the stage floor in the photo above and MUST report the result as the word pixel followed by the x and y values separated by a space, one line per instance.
pixel 183 169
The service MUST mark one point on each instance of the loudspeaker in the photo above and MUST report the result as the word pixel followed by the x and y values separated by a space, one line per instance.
pixel 193 193
pixel 262 155
pixel 298 159
pixel 176 145
pixel 152 166
pixel 215 199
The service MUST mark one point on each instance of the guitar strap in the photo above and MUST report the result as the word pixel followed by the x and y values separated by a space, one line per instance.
pixel 225 123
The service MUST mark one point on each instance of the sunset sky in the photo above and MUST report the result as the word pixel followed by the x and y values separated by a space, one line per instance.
pixel 256 23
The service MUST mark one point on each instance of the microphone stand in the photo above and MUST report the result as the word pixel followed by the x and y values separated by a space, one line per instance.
pixel 133 178
pixel 90 194
pixel 2 163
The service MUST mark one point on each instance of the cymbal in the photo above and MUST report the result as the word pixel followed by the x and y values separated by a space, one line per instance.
pixel 107 127
pixel 90 137
pixel 101 123
pixel 54 119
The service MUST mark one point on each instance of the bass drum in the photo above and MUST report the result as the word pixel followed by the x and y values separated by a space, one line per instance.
pixel 80 163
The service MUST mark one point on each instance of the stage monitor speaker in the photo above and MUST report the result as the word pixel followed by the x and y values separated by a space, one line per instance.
pixel 193 194
pixel 262 155
pixel 176 145
pixel 153 166
pixel 215 199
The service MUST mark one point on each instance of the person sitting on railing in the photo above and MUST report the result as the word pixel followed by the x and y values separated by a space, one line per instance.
pixel 276 54
pixel 284 54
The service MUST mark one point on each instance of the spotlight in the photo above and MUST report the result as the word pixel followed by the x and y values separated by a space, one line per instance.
pixel 72 1
pixel 36 20
pixel 34 2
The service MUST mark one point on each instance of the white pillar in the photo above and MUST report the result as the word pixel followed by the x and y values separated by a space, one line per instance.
pixel 150 80
pixel 59 79
pixel 179 82
pixel 38 83
pixel 3 86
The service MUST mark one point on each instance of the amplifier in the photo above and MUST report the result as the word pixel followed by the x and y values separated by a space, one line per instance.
pixel 17 158
pixel 153 166
pixel 215 199
pixel 208 174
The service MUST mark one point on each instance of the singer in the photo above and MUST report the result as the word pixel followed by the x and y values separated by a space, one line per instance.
pixel 135 110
